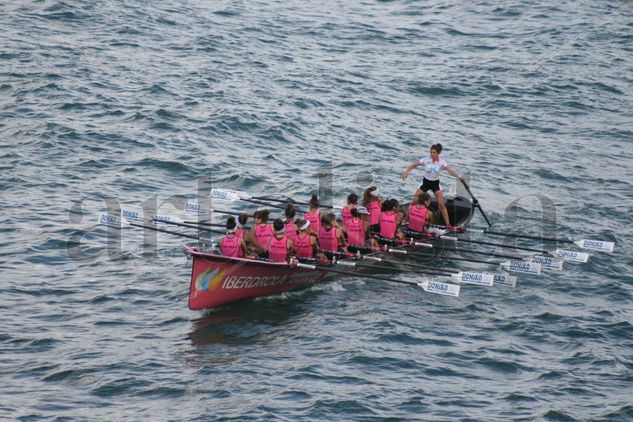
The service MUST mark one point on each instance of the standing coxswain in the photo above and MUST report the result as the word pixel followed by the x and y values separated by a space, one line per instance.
pixel 433 165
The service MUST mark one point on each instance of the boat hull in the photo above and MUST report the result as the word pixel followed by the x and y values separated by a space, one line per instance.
pixel 218 280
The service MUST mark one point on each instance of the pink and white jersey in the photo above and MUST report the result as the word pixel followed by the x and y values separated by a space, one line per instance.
pixel 346 214
pixel 417 217
pixel 388 225
pixel 230 247
pixel 315 220
pixel 291 229
pixel 303 246
pixel 327 239
pixel 432 169
pixel 374 212
pixel 263 234
pixel 278 249
pixel 356 232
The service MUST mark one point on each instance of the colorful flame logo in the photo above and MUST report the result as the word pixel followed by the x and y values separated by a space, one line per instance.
pixel 209 280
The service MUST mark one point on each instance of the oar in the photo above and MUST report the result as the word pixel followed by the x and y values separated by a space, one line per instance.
pixel 480 279
pixel 428 286
pixel 517 266
pixel 175 222
pixel 237 195
pixel 596 245
pixel 118 222
pixel 476 202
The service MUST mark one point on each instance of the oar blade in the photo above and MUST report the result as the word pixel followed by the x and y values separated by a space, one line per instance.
pixel 595 245
pixel 571 255
pixel 480 279
pixel 161 219
pixel 522 267
pixel 227 195
pixel 547 262
pixel 439 288
pixel 132 215
pixel 194 208
pixel 110 220
pixel 506 280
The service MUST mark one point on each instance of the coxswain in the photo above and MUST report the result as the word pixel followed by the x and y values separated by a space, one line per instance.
pixel 352 202
pixel 262 230
pixel 433 165
pixel 291 226
pixel 390 220
pixel 313 215
pixel 357 229
pixel 232 245
pixel 371 201
pixel 419 216
pixel 331 238
pixel 305 245
pixel 279 245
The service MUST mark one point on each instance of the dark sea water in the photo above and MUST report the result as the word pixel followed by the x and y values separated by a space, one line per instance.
pixel 141 101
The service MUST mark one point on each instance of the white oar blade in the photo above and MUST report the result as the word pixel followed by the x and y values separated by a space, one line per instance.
pixel 480 279
pixel 110 220
pixel 506 280
pixel 596 245
pixel 227 195
pixel 571 255
pixel 131 215
pixel 522 267
pixel 548 262
pixel 444 289
pixel 194 208
pixel 162 219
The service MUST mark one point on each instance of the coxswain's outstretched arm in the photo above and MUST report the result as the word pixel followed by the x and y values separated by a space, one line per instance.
pixel 410 167
pixel 453 173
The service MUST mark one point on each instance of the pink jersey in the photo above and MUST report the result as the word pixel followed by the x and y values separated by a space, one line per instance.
pixel 356 232
pixel 417 218
pixel 240 234
pixel 231 247
pixel 388 224
pixel 315 220
pixel 374 212
pixel 278 249
pixel 346 214
pixel 303 246
pixel 328 240
pixel 263 234
pixel 291 229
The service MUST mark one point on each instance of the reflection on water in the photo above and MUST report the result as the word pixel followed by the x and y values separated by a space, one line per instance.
pixel 253 322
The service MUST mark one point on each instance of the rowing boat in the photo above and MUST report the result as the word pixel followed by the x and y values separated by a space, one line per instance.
pixel 218 280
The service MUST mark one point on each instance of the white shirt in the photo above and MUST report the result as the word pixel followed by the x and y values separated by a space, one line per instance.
pixel 432 169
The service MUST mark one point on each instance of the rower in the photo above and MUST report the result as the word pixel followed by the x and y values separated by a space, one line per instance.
pixel 252 244
pixel 390 220
pixel 314 215
pixel 371 201
pixel 331 238
pixel 433 165
pixel 279 245
pixel 305 244
pixel 291 227
pixel 232 245
pixel 418 216
pixel 352 201
pixel 357 229
pixel 262 230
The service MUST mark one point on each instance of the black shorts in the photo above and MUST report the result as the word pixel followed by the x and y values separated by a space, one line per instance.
pixel 432 185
